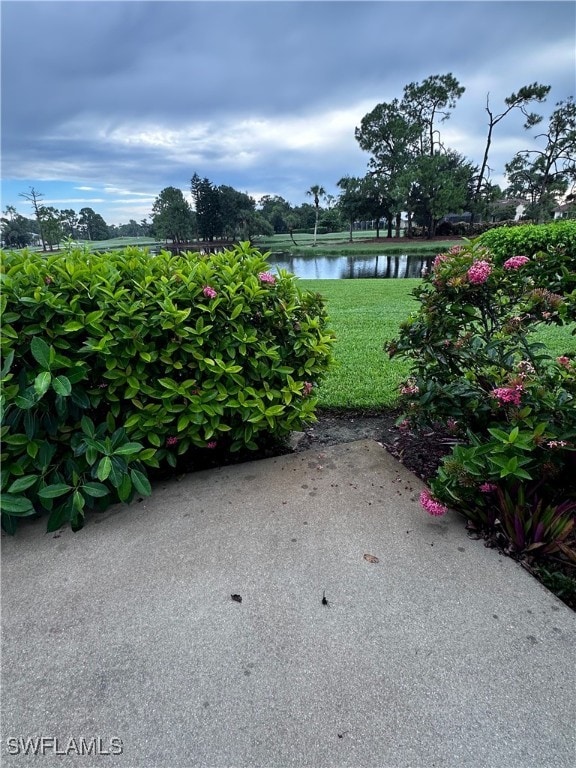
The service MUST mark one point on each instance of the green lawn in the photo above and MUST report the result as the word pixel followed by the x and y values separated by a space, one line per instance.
pixel 365 314
pixel 338 244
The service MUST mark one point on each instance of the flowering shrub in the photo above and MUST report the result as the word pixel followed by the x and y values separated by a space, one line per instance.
pixel 478 373
pixel 515 262
pixel 123 361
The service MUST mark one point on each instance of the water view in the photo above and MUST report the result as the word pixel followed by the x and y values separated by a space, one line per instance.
pixel 351 267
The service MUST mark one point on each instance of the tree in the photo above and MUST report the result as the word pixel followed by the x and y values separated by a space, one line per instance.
pixel 15 229
pixel 172 216
pixel 520 101
pixel 237 210
pixel 351 200
pixel 69 220
pixel 393 139
pixel 51 225
pixel 377 203
pixel 93 225
pixel 399 133
pixel 277 211
pixel 441 186
pixel 330 220
pixel 543 175
pixel 426 103
pixel 316 191
pixel 35 197
pixel 207 205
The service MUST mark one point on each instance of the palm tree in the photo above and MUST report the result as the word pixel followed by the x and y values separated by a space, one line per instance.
pixel 316 191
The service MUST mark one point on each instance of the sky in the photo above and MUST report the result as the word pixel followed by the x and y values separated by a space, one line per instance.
pixel 104 104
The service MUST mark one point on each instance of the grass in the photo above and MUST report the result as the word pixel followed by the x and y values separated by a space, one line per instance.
pixel 365 314
pixel 100 245
pixel 338 244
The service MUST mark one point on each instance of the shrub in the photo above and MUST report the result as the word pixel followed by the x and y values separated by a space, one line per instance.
pixel 478 373
pixel 529 239
pixel 116 362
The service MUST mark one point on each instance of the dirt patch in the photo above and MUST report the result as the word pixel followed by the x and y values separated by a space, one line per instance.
pixel 420 453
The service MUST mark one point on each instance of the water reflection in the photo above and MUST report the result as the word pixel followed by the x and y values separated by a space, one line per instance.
pixel 351 267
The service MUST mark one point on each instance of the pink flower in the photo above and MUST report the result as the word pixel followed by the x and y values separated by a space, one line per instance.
pixel 479 272
pixel 211 444
pixel 515 262
pixel 432 506
pixel 171 440
pixel 556 443
pixel 409 388
pixel 404 425
pixel 563 360
pixel 209 292
pixel 488 487
pixel 267 277
pixel 306 389
pixel 508 395
pixel 456 249
pixel 48 280
pixel 525 367
pixel 439 259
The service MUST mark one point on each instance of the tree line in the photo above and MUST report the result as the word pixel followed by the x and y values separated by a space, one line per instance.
pixel 50 225
pixel 410 171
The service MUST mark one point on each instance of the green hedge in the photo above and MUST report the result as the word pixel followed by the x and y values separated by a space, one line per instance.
pixel 528 239
pixel 116 362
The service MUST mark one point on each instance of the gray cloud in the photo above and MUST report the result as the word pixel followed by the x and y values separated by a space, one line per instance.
pixel 142 94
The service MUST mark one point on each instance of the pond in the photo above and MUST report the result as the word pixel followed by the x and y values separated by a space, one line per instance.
pixel 351 267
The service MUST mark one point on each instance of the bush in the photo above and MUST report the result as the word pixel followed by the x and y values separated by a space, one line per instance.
pixel 478 374
pixel 310 231
pixel 528 239
pixel 116 362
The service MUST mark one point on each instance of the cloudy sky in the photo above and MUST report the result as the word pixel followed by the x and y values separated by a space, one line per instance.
pixel 106 103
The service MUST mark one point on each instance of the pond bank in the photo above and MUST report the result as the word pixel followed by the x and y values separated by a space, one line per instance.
pixel 368 247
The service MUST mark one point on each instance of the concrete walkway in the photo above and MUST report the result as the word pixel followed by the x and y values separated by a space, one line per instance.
pixel 443 654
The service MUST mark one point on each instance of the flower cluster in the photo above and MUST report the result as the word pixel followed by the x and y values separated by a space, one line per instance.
pixel 564 361
pixel 306 389
pixel 440 259
pixel 171 441
pixel 525 367
pixel 556 443
pixel 432 506
pixel 212 444
pixel 267 277
pixel 506 395
pixel 209 292
pixel 479 272
pixel 488 487
pixel 515 262
pixel 410 388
